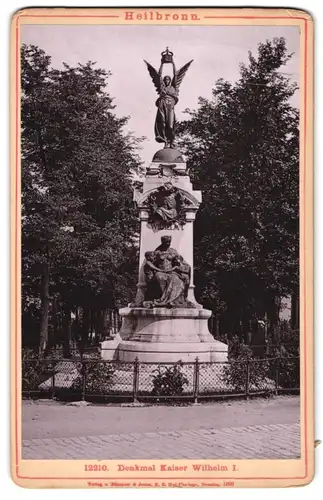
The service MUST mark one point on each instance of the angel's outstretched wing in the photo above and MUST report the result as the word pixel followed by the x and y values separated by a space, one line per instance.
pixel 154 76
pixel 178 77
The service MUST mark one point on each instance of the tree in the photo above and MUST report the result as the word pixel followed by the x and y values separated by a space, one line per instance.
pixel 79 228
pixel 242 149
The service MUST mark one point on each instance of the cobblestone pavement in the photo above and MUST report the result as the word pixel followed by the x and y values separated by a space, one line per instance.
pixel 254 429
pixel 260 441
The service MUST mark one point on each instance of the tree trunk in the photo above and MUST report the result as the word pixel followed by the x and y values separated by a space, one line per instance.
pixel 76 326
pixel 43 341
pixel 273 309
pixel 92 326
pixel 99 325
pixel 85 328
pixel 67 333
pixel 105 324
pixel 52 340
pixel 295 310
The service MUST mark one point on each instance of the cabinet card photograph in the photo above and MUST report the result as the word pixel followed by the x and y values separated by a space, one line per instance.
pixel 162 248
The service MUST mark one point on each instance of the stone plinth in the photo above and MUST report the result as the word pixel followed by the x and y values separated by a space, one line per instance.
pixel 168 155
pixel 167 335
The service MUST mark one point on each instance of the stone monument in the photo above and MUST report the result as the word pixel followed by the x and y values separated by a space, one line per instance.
pixel 165 323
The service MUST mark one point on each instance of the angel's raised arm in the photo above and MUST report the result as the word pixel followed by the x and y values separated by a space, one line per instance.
pixel 160 70
pixel 174 82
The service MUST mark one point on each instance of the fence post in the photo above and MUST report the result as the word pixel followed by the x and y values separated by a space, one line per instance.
pixel 53 383
pixel 196 380
pixel 247 378
pixel 83 380
pixel 277 366
pixel 135 380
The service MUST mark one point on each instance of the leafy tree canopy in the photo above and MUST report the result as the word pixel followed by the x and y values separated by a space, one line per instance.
pixel 79 225
pixel 242 150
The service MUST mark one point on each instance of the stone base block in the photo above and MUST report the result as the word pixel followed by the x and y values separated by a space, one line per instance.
pixel 167 335
pixel 162 352
pixel 109 348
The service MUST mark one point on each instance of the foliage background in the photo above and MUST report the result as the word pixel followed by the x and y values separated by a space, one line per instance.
pixel 80 228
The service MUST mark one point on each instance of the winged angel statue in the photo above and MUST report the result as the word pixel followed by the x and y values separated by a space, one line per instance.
pixel 167 89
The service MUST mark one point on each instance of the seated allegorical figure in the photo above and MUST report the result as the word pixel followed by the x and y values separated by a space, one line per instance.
pixel 167 277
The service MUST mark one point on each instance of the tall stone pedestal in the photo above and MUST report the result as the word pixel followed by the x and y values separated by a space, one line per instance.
pixel 167 335
pixel 167 167
pixel 160 334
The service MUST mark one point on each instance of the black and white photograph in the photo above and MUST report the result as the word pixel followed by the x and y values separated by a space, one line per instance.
pixel 160 245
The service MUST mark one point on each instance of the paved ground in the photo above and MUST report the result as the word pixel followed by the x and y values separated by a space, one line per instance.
pixel 241 429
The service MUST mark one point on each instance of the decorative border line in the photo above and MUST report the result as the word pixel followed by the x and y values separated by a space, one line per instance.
pixel 17 88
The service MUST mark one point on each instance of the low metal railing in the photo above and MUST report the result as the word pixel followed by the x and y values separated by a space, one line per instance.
pixel 98 379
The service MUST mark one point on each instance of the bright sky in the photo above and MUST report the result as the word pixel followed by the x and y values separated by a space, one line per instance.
pixel 216 50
